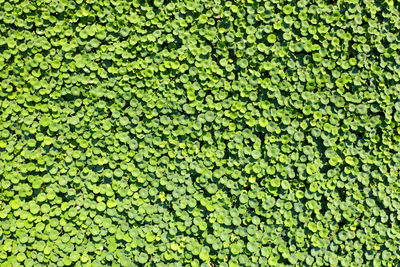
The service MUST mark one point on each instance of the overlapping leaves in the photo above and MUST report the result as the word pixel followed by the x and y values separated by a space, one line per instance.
pixel 211 133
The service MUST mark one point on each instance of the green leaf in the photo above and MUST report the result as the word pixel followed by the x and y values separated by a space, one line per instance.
pixel 271 38
pixel 236 249
pixel 312 226
pixel 204 255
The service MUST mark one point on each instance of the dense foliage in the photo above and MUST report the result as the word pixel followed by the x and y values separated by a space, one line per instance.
pixel 211 133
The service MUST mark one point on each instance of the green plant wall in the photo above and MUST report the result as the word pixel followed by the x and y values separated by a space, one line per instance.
pixel 199 133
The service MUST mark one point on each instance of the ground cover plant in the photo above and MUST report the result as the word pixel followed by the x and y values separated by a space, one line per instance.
pixel 199 133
